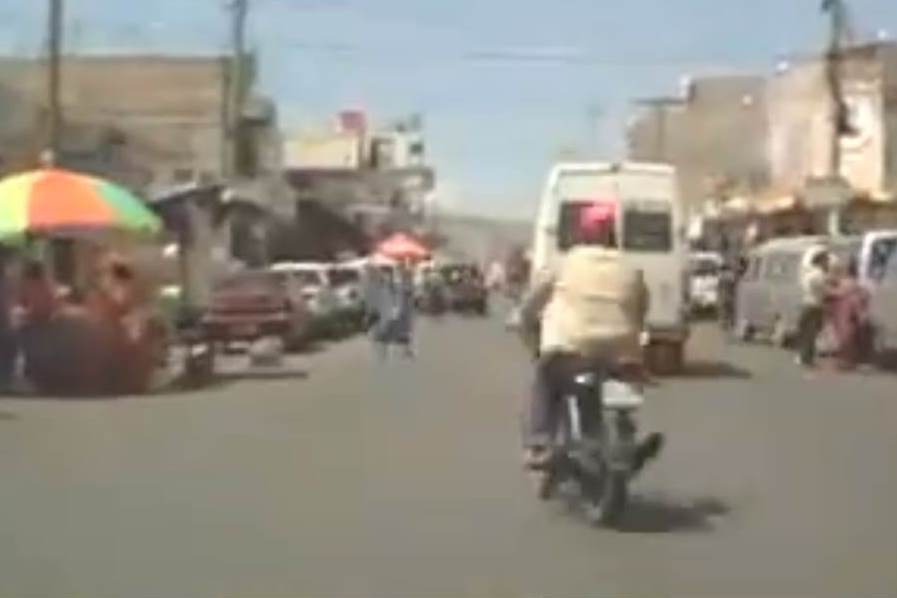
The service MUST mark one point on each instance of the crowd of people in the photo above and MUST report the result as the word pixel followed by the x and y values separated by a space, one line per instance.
pixel 832 301
pixel 96 339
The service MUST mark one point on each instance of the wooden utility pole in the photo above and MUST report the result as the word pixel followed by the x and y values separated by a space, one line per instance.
pixel 239 13
pixel 54 57
pixel 838 16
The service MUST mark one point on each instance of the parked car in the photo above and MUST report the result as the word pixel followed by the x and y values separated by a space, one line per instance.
pixel 874 253
pixel 310 282
pixel 254 304
pixel 703 281
pixel 346 281
pixel 465 288
pixel 769 294
pixel 883 312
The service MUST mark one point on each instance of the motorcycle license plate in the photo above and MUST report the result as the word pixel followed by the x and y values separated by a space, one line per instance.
pixel 620 395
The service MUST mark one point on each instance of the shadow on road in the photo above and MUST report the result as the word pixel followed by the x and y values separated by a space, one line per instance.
pixel 712 369
pixel 262 374
pixel 7 416
pixel 176 388
pixel 661 514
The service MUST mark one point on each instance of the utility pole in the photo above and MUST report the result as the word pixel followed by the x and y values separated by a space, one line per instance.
pixel 54 49
pixel 838 31
pixel 838 22
pixel 239 13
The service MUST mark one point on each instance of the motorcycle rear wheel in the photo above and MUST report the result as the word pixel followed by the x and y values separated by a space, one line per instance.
pixel 606 498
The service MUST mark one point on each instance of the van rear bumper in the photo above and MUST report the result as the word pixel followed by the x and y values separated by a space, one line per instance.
pixel 676 333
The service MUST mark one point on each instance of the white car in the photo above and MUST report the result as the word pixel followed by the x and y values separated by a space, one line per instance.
pixel 346 281
pixel 311 281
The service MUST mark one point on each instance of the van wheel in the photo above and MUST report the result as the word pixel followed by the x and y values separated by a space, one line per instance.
pixel 780 336
pixel 744 332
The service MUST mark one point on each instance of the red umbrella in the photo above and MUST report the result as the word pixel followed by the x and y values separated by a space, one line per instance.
pixel 401 247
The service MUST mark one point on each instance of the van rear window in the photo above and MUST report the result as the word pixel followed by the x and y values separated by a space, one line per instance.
pixel 647 231
pixel 569 232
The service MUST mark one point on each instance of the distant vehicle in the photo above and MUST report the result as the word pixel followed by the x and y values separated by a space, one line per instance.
pixel 254 304
pixel 874 253
pixel 466 288
pixel 649 229
pixel 430 289
pixel 311 282
pixel 346 281
pixel 769 294
pixel 871 250
pixel 704 269
pixel 883 308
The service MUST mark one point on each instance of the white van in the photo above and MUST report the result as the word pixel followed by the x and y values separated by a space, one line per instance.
pixel 649 227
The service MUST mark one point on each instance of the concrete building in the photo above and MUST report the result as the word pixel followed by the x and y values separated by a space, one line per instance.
pixel 167 113
pixel 374 179
pixel 715 133
pixel 801 124
pixel 158 124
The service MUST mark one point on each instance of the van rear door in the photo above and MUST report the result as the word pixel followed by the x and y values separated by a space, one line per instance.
pixel 649 225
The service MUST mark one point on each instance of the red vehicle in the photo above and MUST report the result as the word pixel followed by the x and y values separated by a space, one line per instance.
pixel 251 305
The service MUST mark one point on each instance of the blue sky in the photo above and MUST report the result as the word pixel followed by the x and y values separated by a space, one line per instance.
pixel 503 85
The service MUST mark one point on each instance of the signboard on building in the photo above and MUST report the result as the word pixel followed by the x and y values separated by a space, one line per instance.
pixel 352 121
pixel 328 152
pixel 826 193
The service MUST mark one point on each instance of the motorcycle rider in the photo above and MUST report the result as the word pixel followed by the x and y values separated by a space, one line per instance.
pixel 587 316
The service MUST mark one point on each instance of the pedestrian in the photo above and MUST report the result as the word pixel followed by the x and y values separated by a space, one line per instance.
pixel 403 333
pixel 39 305
pixel 8 345
pixel 381 298
pixel 730 276
pixel 814 291
pixel 850 304
pixel 495 278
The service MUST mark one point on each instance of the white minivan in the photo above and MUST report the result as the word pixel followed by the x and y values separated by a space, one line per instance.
pixel 649 229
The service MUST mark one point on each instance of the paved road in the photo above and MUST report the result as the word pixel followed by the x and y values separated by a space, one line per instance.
pixel 335 477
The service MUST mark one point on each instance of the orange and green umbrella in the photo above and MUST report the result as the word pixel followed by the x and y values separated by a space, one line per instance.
pixel 59 202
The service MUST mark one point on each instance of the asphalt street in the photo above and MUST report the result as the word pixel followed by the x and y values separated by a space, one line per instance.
pixel 335 475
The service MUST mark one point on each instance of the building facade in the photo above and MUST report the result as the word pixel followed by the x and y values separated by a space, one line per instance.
pixel 802 123
pixel 715 133
pixel 376 180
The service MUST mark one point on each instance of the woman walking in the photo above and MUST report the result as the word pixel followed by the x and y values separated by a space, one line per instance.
pixel 850 303
pixel 403 333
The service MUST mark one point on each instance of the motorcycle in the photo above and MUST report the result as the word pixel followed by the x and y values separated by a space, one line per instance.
pixel 597 452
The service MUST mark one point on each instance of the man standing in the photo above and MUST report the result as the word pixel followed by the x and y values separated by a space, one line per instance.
pixel 814 285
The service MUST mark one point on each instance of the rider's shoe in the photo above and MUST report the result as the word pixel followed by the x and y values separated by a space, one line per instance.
pixel 648 450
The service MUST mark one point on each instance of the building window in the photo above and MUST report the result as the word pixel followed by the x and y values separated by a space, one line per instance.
pixel 382 154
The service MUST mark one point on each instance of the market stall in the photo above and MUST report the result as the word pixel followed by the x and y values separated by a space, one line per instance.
pixel 96 334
